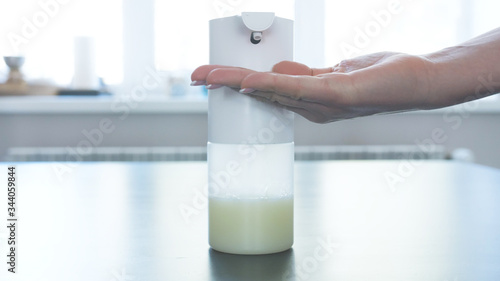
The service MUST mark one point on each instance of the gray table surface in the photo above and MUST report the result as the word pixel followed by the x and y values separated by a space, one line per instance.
pixel 435 220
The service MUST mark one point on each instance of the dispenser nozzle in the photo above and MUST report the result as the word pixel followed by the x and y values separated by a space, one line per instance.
pixel 256 37
pixel 257 22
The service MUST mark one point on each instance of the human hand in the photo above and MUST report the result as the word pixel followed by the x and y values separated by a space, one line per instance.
pixel 371 84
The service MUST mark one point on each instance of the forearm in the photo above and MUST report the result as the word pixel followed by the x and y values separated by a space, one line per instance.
pixel 465 72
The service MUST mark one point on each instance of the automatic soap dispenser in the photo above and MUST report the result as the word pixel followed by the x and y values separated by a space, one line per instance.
pixel 250 142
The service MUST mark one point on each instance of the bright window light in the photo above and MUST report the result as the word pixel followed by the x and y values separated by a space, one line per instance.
pixel 43 31
pixel 359 27
pixel 181 27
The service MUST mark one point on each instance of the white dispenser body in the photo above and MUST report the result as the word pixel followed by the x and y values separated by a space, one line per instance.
pixel 250 142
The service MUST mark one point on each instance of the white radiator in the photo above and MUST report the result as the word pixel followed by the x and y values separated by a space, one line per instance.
pixel 302 153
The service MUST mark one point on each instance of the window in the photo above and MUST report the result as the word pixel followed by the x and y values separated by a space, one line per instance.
pixel 181 27
pixel 44 30
pixel 415 27
pixel 181 35
pixel 134 37
pixel 360 27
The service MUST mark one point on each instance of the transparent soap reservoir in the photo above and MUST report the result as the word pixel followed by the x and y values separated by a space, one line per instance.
pixel 250 142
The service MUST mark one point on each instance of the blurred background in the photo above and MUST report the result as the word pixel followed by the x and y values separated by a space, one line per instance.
pixel 109 80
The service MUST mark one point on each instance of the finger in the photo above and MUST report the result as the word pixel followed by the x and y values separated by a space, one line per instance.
pixel 300 111
pixel 309 88
pixel 284 100
pixel 320 114
pixel 276 98
pixel 231 77
pixel 308 114
pixel 291 68
pixel 319 71
pixel 295 68
pixel 311 115
pixel 310 110
pixel 200 73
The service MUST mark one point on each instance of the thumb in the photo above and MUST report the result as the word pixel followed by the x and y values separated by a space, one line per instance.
pixel 291 68
pixel 295 68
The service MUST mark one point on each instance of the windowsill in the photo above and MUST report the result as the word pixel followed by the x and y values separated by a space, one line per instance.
pixel 100 104
pixel 159 105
